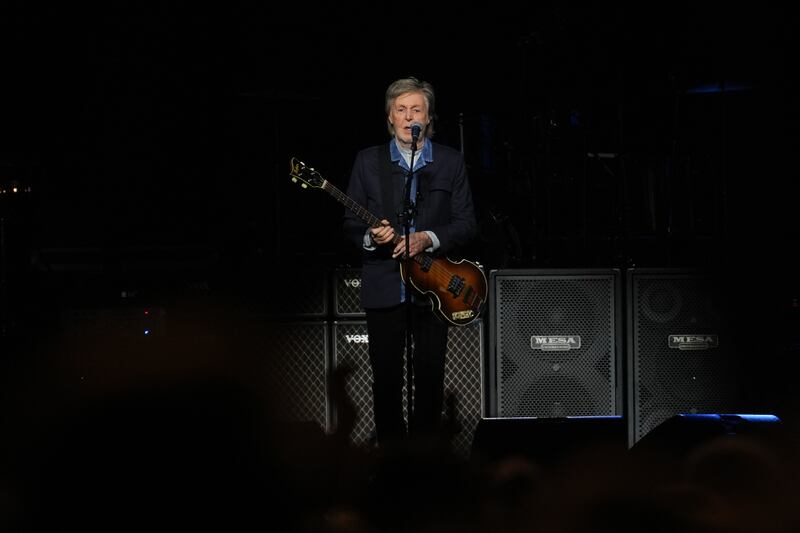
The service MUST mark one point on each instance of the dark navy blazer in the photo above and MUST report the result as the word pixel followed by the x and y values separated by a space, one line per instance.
pixel 444 207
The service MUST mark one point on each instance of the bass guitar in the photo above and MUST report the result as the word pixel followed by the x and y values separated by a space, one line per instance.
pixel 456 289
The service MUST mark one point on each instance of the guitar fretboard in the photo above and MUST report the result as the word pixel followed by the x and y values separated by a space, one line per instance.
pixel 358 210
pixel 351 204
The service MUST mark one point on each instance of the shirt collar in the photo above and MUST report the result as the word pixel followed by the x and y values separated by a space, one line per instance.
pixel 425 156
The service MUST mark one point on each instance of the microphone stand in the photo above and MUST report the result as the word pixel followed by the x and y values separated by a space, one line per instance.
pixel 409 212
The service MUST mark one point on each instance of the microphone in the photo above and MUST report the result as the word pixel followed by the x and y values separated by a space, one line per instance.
pixel 416 128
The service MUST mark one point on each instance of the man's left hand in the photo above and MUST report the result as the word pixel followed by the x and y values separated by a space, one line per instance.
pixel 417 243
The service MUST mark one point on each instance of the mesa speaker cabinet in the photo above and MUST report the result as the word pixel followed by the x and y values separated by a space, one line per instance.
pixel 680 353
pixel 294 362
pixel 463 377
pixel 347 293
pixel 554 343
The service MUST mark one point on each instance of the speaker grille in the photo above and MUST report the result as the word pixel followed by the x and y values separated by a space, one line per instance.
pixel 295 370
pixel 463 377
pixel 463 365
pixel 555 343
pixel 347 293
pixel 350 348
pixel 681 357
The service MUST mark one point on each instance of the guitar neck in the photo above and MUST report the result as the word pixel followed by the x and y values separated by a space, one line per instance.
pixel 352 205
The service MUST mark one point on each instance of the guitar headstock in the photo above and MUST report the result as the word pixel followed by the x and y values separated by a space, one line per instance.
pixel 307 176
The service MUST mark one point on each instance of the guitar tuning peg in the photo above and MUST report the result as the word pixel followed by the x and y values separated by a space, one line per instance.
pixel 303 185
pixel 294 180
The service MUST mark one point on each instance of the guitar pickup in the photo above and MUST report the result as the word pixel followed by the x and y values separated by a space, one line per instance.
pixel 469 295
pixel 425 263
pixel 456 285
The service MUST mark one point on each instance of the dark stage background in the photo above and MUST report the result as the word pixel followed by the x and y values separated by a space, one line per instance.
pixel 156 257
pixel 149 145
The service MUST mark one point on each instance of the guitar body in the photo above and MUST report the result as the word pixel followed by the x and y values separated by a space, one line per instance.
pixel 457 289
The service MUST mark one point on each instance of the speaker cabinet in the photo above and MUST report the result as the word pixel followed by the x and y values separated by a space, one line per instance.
pixel 350 345
pixel 680 353
pixel 294 371
pixel 462 377
pixel 347 293
pixel 554 338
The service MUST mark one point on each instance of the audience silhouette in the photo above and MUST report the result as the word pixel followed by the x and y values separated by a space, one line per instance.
pixel 176 433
